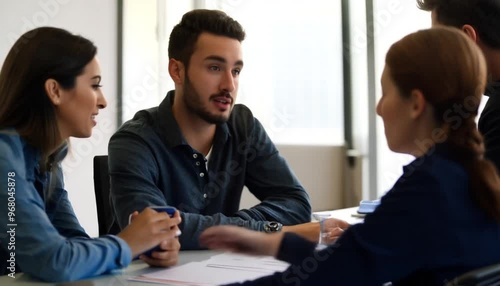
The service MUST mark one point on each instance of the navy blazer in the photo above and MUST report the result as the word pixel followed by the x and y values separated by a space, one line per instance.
pixel 426 231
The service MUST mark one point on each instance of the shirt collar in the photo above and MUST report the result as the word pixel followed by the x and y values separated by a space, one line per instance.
pixel 168 128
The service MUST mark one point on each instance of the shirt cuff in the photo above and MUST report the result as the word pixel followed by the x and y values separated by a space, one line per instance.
pixel 124 254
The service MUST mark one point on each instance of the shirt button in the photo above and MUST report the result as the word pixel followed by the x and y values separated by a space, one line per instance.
pixel 202 175
pixel 195 156
pixel 197 163
pixel 204 196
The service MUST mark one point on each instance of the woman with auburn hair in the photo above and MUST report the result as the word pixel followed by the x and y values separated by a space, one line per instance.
pixel 50 89
pixel 442 216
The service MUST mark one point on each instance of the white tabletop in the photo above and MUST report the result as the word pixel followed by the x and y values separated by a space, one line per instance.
pixel 119 277
pixel 349 214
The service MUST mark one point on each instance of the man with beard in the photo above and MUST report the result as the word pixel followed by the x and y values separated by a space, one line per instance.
pixel 197 149
pixel 480 20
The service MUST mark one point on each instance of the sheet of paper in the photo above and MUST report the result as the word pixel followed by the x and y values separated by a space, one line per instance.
pixel 220 269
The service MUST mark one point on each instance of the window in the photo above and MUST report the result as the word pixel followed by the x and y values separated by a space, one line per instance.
pixel 292 79
pixel 392 20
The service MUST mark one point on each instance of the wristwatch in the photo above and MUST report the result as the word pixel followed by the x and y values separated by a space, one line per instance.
pixel 272 226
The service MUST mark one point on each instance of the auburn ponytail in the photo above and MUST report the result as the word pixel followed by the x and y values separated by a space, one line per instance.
pixel 450 71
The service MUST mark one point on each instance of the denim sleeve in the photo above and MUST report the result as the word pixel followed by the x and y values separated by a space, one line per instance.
pixel 37 246
pixel 60 211
pixel 272 181
pixel 133 188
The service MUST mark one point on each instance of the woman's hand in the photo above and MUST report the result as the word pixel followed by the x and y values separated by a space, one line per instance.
pixel 242 240
pixel 149 229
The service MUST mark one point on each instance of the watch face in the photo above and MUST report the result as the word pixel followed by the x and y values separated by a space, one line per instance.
pixel 272 226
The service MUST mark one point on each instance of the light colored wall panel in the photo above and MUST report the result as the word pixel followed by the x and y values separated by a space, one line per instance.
pixel 320 169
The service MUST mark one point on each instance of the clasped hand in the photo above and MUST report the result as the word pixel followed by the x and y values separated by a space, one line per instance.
pixel 149 229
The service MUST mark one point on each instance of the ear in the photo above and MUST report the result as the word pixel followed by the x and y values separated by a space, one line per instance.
pixel 54 91
pixel 176 71
pixel 470 31
pixel 418 103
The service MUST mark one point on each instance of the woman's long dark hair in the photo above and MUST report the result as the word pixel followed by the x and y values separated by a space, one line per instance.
pixel 40 54
pixel 450 71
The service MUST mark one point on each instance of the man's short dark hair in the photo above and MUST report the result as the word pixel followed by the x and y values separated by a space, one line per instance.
pixel 186 33
pixel 483 15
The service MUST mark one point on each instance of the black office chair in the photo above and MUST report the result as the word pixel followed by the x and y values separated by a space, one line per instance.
pixel 486 276
pixel 105 217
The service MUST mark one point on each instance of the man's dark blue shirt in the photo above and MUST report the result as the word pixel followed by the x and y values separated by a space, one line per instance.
pixel 151 163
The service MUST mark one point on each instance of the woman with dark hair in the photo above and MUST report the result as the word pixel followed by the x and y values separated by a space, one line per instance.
pixel 50 90
pixel 442 216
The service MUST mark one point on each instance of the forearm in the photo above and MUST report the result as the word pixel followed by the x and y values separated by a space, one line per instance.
pixel 288 207
pixel 309 231
pixel 81 258
pixel 42 251
pixel 271 180
pixel 193 224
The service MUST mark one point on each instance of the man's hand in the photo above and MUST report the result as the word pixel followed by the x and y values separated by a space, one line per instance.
pixel 165 258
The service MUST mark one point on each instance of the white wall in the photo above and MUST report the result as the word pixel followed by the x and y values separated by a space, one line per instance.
pixel 323 172
pixel 93 19
pixel 393 19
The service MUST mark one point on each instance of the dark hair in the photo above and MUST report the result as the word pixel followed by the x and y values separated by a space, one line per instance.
pixel 186 33
pixel 483 15
pixel 450 71
pixel 40 54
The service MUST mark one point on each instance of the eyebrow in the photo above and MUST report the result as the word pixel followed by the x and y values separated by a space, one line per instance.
pixel 223 60
pixel 96 77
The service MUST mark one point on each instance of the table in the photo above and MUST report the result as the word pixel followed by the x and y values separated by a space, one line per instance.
pixel 343 214
pixel 119 277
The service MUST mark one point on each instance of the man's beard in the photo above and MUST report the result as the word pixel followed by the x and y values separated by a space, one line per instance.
pixel 193 102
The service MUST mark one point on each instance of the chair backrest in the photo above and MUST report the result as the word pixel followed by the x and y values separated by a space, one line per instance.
pixel 486 276
pixel 105 217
